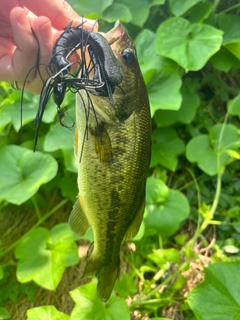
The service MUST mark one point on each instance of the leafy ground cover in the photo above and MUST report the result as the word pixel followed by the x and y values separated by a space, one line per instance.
pixel 184 263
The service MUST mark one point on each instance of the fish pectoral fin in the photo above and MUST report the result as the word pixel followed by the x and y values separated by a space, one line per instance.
pixel 78 221
pixel 132 230
pixel 106 275
pixel 102 143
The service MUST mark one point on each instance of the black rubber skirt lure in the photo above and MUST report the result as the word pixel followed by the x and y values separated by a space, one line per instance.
pixel 100 75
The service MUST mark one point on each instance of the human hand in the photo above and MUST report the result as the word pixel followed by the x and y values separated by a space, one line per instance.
pixel 18 46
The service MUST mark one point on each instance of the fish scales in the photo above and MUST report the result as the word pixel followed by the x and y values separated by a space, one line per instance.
pixel 114 163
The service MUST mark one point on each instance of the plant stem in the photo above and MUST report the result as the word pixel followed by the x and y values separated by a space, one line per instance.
pixel 231 8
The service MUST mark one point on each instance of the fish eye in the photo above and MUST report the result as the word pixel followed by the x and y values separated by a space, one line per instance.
pixel 128 56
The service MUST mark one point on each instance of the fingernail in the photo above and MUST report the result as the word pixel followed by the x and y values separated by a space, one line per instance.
pixel 21 18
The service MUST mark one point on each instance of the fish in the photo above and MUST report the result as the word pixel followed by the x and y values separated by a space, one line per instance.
pixel 113 164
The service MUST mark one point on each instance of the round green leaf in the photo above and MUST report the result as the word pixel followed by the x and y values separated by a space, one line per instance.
pixel 46 313
pixel 190 45
pixel 42 253
pixel 218 296
pixel 205 149
pixel 23 172
pixel 199 150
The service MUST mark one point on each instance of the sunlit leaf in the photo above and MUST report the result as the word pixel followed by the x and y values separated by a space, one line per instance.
pixel 205 149
pixel 164 217
pixel 162 256
pixel 179 7
pixel 23 172
pixel 166 148
pixel 90 306
pixel 46 313
pixel 218 296
pixel 190 45
pixel 42 252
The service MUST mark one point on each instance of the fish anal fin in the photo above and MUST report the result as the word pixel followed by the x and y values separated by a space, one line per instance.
pixel 132 230
pixel 78 221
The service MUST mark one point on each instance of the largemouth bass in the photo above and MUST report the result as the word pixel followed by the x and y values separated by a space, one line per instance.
pixel 113 164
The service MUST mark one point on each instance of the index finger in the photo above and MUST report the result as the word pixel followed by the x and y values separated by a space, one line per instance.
pixel 58 11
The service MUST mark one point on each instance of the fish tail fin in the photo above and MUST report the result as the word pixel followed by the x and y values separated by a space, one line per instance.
pixel 106 275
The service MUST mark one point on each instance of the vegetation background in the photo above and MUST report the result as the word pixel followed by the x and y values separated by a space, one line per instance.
pixel 185 261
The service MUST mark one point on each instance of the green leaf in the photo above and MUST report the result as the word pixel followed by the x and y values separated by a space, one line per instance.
pixel 164 217
pixel 68 186
pixel 42 253
pixel 185 114
pixel 29 108
pixel 224 60
pixel 190 45
pixel 199 150
pixel 117 11
pixel 166 147
pixel 61 138
pixel 146 47
pixel 231 37
pixel 140 9
pixel 23 172
pixel 179 7
pixel 90 306
pixel 204 149
pixel 200 12
pixel 162 256
pixel 1 273
pixel 90 8
pixel 218 296
pixel 4 314
pixel 160 74
pixel 229 24
pixel 46 313
pixel 5 119
pixel 234 106
pixel 58 138
pixel 164 91
pixel 126 286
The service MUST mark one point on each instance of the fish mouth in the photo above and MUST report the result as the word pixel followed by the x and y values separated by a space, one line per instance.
pixel 115 33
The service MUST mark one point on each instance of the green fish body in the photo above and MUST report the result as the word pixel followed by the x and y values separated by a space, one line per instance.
pixel 112 146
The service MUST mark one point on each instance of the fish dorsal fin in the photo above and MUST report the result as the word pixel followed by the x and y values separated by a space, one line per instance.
pixel 78 222
pixel 132 230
